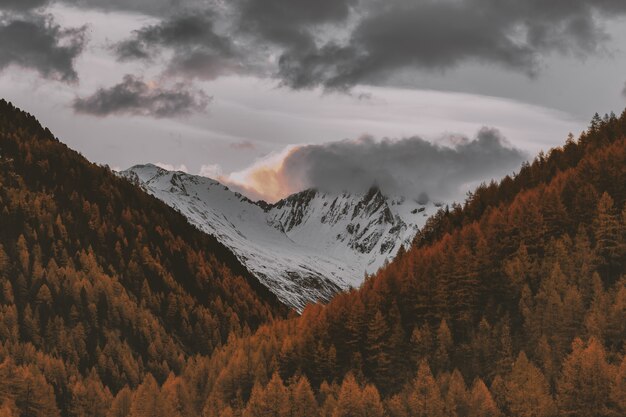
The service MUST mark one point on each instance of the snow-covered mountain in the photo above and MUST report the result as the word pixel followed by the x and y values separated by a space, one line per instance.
pixel 304 248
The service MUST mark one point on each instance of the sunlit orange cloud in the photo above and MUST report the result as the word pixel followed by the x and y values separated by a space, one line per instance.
pixel 266 179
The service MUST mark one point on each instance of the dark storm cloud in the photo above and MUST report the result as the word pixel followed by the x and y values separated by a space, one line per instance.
pixel 339 43
pixel 148 7
pixel 410 167
pixel 35 42
pixel 257 25
pixel 289 22
pixel 430 35
pixel 198 51
pixel 183 31
pixel 133 96
pixel 22 5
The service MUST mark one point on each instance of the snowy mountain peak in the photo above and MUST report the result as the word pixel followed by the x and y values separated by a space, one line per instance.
pixel 306 247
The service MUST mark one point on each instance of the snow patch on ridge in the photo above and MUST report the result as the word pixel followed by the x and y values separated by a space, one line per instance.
pixel 306 247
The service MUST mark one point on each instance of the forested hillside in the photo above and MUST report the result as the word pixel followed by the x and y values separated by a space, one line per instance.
pixel 513 304
pixel 101 285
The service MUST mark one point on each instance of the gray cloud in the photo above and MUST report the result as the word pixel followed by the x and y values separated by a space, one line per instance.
pixel 182 31
pixel 339 43
pixel 198 50
pixel 624 90
pixel 22 5
pixel 428 35
pixel 440 35
pixel 36 42
pixel 411 167
pixel 408 166
pixel 290 22
pixel 133 96
pixel 251 30
pixel 148 7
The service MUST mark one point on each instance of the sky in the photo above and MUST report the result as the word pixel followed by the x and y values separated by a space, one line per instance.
pixel 274 96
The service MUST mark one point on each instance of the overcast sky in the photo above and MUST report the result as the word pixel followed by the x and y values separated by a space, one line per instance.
pixel 272 96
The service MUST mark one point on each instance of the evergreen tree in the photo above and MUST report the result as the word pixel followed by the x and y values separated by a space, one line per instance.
pixel 378 362
pixel 584 388
pixel 148 402
pixel 349 402
pixel 121 405
pixel 457 397
pixel 618 389
pixel 425 399
pixel 481 403
pixel 444 346
pixel 272 401
pixel 372 405
pixel 303 403
pixel 527 391
pixel 609 244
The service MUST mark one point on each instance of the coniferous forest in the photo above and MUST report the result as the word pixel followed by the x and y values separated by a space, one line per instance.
pixel 511 304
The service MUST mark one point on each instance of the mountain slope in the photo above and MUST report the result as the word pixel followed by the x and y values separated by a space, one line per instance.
pixel 304 248
pixel 525 297
pixel 101 284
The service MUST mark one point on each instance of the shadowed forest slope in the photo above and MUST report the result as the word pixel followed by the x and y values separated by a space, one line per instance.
pixel 101 284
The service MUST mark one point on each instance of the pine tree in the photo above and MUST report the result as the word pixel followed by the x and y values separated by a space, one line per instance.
pixel 444 346
pixel 23 254
pixel 121 405
pixel 90 397
pixel 425 398
pixel 498 392
pixel 457 397
pixel 609 245
pixel 585 385
pixel 421 343
pixel 618 389
pixel 520 270
pixel 396 407
pixel 303 403
pixel 175 392
pixel 148 402
pixel 372 405
pixel 527 390
pixel 328 398
pixel 272 401
pixel 355 325
pixel 378 361
pixel 349 402
pixel 4 261
pixel 31 392
pixel 481 403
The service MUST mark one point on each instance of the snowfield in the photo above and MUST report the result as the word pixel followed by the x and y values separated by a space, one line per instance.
pixel 304 248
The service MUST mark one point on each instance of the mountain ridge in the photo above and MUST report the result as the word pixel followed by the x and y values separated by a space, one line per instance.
pixel 305 247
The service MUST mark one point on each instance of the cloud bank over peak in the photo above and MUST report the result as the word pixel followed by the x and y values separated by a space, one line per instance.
pixel 410 167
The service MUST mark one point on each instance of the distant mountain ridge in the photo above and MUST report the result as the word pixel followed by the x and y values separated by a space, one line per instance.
pixel 305 247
